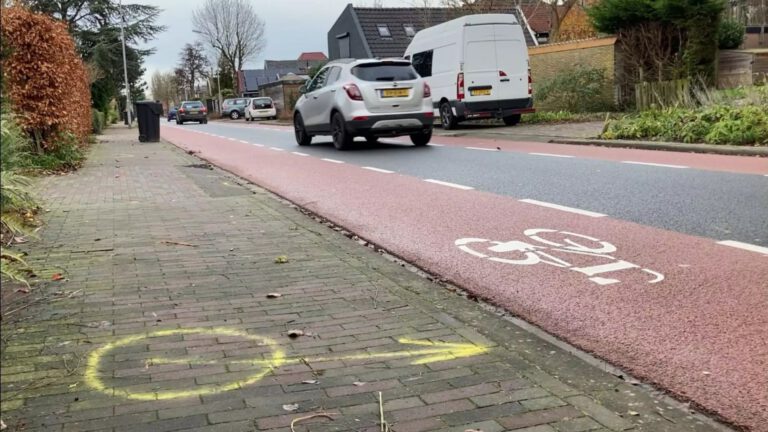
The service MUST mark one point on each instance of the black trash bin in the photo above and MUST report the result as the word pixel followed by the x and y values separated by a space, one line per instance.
pixel 148 115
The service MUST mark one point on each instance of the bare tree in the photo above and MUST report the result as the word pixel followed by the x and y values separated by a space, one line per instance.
pixel 233 28
pixel 192 65
pixel 164 87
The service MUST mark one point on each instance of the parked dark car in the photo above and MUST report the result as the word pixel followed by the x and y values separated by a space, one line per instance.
pixel 192 111
pixel 172 113
pixel 234 108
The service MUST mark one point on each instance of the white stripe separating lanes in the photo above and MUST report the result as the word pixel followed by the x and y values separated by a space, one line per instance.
pixel 563 208
pixel 300 154
pixel 276 149
pixel 655 164
pixel 244 141
pixel 551 155
pixel 332 160
pixel 378 170
pixel 453 185
pixel 481 148
pixel 745 246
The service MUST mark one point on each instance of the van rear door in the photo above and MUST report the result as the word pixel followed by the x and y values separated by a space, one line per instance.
pixel 481 75
pixel 512 62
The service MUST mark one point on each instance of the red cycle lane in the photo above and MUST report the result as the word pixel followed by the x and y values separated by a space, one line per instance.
pixel 678 311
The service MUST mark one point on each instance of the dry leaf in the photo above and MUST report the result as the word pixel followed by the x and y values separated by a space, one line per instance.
pixel 359 383
pixel 633 413
pixel 57 277
pixel 473 430
pixel 293 334
pixel 2 425
pixel 274 295
pixel 309 382
pixel 282 259
pixel 291 407
pixel 24 290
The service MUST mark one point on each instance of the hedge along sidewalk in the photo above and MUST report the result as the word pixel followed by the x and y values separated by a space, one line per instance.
pixel 169 263
pixel 669 146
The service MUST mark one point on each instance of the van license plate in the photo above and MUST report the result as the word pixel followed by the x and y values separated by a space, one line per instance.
pixel 395 93
pixel 480 92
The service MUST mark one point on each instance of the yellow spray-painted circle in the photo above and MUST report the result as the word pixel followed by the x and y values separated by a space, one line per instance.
pixel 93 379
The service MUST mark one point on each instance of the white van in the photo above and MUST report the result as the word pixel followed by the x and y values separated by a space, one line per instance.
pixel 477 67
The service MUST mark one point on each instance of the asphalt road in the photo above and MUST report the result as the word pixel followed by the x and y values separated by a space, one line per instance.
pixel 715 204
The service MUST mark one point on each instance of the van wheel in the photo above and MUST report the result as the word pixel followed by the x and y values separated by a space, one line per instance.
pixel 342 140
pixel 422 138
pixel 447 118
pixel 302 138
pixel 512 120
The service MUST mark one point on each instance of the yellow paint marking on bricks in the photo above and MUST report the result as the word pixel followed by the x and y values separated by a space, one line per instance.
pixel 421 351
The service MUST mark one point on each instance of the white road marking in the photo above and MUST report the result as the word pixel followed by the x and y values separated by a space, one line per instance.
pixel 300 154
pixel 379 170
pixel 745 246
pixel 231 139
pixel 453 185
pixel 563 208
pixel 244 141
pixel 258 145
pixel 332 160
pixel 655 164
pixel 551 155
pixel 436 145
pixel 481 148
pixel 276 149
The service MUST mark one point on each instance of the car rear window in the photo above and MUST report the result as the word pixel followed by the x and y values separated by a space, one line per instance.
pixel 384 71
pixel 262 102
pixel 193 105
pixel 240 102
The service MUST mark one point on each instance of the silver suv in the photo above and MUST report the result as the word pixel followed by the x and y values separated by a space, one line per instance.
pixel 368 98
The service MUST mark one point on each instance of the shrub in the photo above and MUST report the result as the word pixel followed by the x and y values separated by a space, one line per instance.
pixel 45 78
pixel 730 34
pixel 66 155
pixel 582 90
pixel 561 117
pixel 99 121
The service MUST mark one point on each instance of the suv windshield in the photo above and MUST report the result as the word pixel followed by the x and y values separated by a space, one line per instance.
pixel 193 105
pixel 384 71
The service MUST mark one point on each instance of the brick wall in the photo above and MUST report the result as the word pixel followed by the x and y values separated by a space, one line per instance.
pixel 548 61
pixel 283 93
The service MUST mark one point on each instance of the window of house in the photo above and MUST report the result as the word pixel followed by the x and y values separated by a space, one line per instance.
pixel 384 30
pixel 409 30
pixel 422 62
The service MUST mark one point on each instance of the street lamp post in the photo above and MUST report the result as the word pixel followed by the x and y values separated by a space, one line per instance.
pixel 125 68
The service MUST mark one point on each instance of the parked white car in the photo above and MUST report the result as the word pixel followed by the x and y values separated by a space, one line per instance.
pixel 260 108
pixel 477 67
pixel 368 98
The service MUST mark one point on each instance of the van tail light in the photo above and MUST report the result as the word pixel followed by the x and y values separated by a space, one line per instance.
pixel 353 92
pixel 530 82
pixel 427 90
pixel 502 73
pixel 460 86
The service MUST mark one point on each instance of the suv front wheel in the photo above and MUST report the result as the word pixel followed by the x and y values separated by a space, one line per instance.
pixel 342 140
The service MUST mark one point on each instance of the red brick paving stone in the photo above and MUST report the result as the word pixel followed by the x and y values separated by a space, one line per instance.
pixel 460 393
pixel 539 417
pixel 432 410
pixel 365 388
pixel 418 425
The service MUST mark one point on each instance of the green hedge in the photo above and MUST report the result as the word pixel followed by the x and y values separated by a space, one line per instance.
pixel 99 121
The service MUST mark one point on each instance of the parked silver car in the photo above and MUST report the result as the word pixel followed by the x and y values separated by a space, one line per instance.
pixel 368 98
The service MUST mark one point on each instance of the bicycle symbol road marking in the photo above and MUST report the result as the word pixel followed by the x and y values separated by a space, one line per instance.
pixel 518 252
pixel 422 352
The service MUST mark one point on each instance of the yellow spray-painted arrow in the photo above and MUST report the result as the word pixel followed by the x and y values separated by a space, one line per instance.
pixel 435 352
pixel 421 351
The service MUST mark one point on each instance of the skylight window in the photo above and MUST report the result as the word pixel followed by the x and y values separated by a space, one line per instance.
pixel 409 30
pixel 384 30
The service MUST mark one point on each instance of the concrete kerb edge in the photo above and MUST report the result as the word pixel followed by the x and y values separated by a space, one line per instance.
pixel 459 292
pixel 667 146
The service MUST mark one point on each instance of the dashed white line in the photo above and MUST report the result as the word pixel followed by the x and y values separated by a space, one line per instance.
pixel 379 170
pixel 231 139
pixel 276 149
pixel 258 145
pixel 563 208
pixel 244 141
pixel 332 160
pixel 300 154
pixel 453 185
pixel 480 148
pixel 655 164
pixel 745 246
pixel 551 155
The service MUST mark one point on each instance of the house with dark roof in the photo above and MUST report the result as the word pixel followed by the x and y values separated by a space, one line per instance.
pixel 275 70
pixel 361 32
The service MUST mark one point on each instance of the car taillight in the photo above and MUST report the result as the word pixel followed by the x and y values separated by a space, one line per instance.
pixel 460 86
pixel 530 82
pixel 353 92
pixel 427 90
pixel 204 110
pixel 181 110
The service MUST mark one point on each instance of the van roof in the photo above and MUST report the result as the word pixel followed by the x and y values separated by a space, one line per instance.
pixel 469 20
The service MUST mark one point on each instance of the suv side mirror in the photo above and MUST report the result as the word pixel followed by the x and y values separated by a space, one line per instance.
pixel 303 89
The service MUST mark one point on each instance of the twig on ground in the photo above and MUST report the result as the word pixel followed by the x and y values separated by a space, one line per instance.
pixel 384 424
pixel 322 414
pixel 171 242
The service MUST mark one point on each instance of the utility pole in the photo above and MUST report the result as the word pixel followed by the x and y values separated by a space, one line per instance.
pixel 218 84
pixel 125 68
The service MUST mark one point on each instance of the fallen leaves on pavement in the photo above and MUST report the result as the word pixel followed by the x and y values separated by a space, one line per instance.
pixel 274 295
pixel 291 407
pixel 293 334
pixel 282 259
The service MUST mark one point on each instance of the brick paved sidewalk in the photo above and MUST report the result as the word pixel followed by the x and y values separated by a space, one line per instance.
pixel 164 323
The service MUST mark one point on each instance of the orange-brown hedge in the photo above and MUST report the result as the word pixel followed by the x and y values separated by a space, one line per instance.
pixel 45 77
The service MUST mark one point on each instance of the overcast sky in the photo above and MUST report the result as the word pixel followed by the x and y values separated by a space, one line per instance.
pixel 292 27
